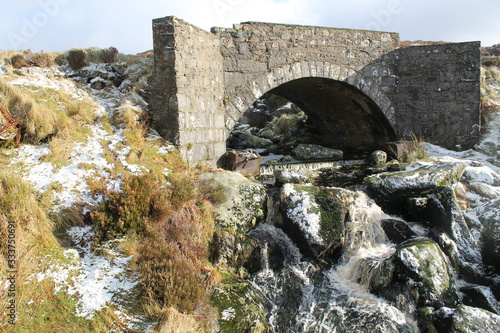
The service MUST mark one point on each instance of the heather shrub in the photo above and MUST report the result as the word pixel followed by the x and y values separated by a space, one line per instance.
pixel 19 61
pixel 109 55
pixel 77 59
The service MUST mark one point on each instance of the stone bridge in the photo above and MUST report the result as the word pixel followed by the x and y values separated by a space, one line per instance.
pixel 359 88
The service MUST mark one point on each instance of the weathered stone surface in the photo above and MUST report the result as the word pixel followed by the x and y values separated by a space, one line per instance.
pixel 422 266
pixel 241 307
pixel 392 189
pixel 491 233
pixel 314 217
pixel 312 152
pixel 243 207
pixel 481 297
pixel 244 139
pixel 468 319
pixel 397 231
pixel 288 176
pixel 245 201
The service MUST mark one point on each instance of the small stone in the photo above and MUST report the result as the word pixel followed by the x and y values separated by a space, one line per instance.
pixel 378 157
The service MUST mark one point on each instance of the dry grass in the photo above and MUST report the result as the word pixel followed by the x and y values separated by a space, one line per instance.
pixel 45 111
pixel 35 249
pixel 175 322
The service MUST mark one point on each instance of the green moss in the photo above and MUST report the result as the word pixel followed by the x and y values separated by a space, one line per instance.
pixel 241 307
pixel 332 211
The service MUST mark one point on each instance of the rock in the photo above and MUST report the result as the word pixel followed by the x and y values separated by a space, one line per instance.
pixel 243 207
pixel 288 176
pixel 241 307
pixel 442 212
pixel 375 273
pixel 480 296
pixel 230 250
pixel 490 236
pixel 421 264
pixel 314 217
pixel 3 70
pixel 378 157
pixel 98 83
pixel 311 152
pixel 134 72
pixel 397 230
pixel 468 319
pixel 245 200
pixel 245 139
pixel 391 189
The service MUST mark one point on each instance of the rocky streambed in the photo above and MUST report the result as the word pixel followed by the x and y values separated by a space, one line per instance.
pixel 385 248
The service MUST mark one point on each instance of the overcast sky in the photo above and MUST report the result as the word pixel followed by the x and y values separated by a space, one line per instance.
pixel 59 25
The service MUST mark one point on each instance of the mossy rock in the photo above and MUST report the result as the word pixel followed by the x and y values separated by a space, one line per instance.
pixel 314 217
pixel 241 307
pixel 421 264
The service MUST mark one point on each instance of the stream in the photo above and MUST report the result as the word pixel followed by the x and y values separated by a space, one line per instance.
pixel 305 296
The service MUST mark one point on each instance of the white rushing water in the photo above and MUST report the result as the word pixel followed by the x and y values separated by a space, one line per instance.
pixel 307 298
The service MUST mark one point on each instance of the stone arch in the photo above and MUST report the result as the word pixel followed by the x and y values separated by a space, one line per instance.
pixel 376 112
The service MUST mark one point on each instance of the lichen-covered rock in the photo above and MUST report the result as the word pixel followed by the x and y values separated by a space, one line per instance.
pixel 244 205
pixel 314 217
pixel 311 152
pixel 422 266
pixel 241 307
pixel 230 249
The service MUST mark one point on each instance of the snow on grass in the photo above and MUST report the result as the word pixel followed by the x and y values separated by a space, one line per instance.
pixel 100 278
pixel 47 78
pixel 95 280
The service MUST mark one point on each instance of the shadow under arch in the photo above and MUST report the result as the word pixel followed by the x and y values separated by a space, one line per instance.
pixel 344 116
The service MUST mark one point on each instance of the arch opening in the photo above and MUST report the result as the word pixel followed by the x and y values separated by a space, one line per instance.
pixel 317 111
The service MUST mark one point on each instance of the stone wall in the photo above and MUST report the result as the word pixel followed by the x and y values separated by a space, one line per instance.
pixel 437 93
pixel 187 88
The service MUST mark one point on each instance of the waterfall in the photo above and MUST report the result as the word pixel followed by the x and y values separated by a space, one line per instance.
pixel 305 297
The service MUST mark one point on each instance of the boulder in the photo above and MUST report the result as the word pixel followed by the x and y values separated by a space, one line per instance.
pixel 391 189
pixel 490 236
pixel 421 264
pixel 480 296
pixel 468 319
pixel 245 201
pixel 241 307
pixel 442 212
pixel 314 152
pixel 244 205
pixel 397 231
pixel 314 218
pixel 245 139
